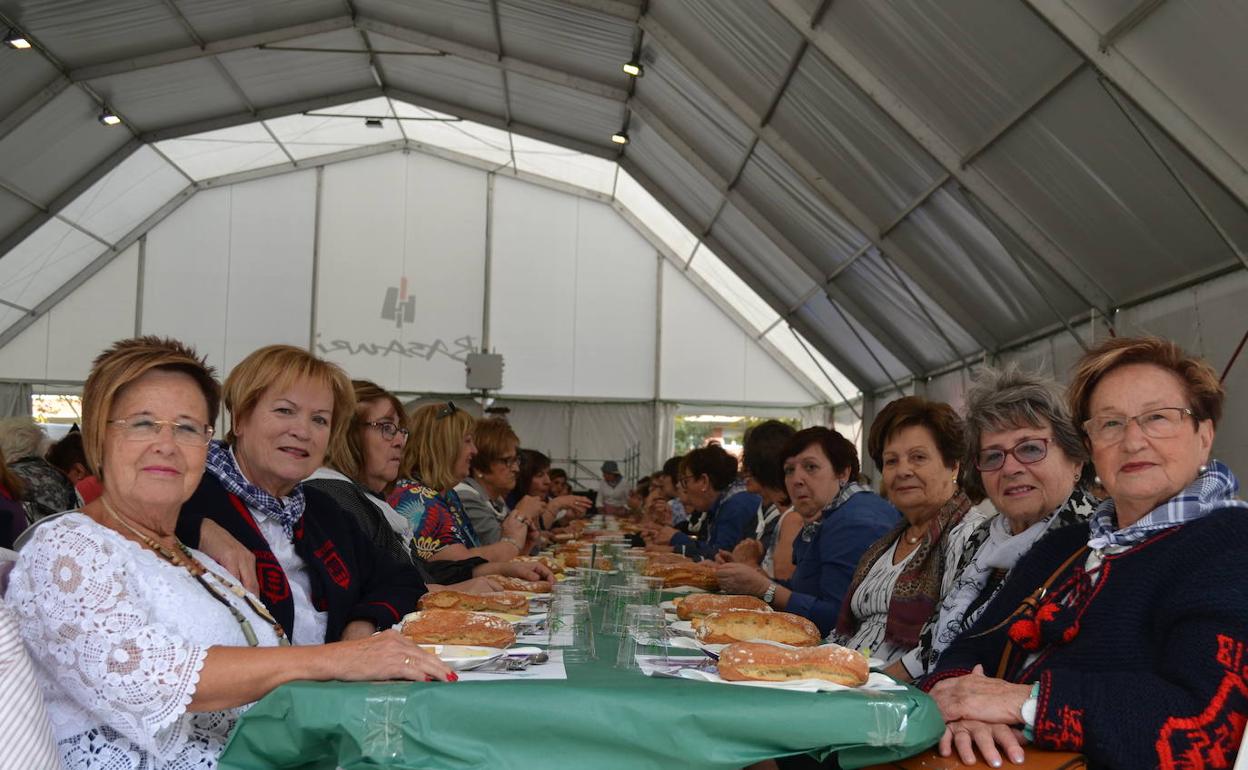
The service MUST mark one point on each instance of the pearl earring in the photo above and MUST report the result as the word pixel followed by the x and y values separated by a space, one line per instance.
pixel 1097 480
pixel 1203 468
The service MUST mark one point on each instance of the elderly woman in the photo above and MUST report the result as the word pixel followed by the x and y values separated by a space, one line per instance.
pixel 841 519
pixel 708 479
pixel 904 576
pixel 1145 606
pixel 146 649
pixel 438 456
pixel 48 490
pixel 1025 453
pixel 319 574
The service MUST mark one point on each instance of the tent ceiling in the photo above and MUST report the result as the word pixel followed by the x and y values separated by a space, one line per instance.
pixel 909 185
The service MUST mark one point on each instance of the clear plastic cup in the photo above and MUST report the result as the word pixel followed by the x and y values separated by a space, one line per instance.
pixel 651 588
pixel 645 633
pixel 571 631
pixel 618 598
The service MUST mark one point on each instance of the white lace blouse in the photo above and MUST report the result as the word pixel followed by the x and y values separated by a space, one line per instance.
pixel 118 637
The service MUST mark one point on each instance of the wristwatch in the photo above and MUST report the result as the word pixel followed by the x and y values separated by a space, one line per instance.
pixel 512 540
pixel 770 593
pixel 1029 707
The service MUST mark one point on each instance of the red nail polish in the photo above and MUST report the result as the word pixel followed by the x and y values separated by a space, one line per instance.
pixel 452 677
pixel 428 678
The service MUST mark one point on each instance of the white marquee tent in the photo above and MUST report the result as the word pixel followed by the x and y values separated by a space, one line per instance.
pixel 818 203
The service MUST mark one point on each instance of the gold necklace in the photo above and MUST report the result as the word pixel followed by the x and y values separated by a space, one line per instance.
pixel 192 565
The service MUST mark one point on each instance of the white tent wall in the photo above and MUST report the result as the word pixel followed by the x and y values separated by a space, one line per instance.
pixel 1206 319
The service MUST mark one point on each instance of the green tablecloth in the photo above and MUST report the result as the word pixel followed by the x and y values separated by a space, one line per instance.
pixel 600 718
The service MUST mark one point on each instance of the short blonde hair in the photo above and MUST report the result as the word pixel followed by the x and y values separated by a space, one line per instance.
pixel 347 456
pixel 278 367
pixel 437 437
pixel 1204 390
pixel 123 363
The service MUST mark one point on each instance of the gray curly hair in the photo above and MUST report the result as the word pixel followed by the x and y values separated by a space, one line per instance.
pixel 1007 398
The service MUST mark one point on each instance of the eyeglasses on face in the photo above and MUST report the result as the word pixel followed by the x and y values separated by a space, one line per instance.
pixel 511 461
pixel 143 428
pixel 447 410
pixel 684 481
pixel 388 430
pixel 1108 429
pixel 1028 451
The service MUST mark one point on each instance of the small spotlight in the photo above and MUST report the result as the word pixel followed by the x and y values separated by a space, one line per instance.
pixel 634 69
pixel 620 138
pixel 109 118
pixel 372 122
pixel 16 40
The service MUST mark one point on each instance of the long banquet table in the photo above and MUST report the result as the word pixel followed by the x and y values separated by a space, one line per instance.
pixel 600 717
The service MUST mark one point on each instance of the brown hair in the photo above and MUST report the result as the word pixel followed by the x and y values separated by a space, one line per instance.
pixel 277 367
pixel 938 417
pixel 1204 391
pixel 347 455
pixel 11 482
pixel 437 436
pixel 123 363
pixel 493 437
pixel 839 450
pixel 713 461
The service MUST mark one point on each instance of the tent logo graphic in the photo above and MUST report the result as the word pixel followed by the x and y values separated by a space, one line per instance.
pixel 398 306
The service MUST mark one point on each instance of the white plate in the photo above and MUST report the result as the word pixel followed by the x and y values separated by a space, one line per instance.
pixel 875 681
pixel 685 590
pixel 463 657
pixel 671 617
pixel 668 605
pixel 682 627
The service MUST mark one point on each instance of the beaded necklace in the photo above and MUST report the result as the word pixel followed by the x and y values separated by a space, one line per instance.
pixel 192 565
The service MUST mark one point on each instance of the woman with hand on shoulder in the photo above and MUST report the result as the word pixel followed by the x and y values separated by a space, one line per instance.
pixel 438 456
pixel 776 522
pixel 710 485
pixel 1124 639
pixel 904 576
pixel 147 650
pixel 840 519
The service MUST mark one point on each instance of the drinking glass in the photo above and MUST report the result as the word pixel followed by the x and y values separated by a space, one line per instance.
pixel 645 633
pixel 571 630
pixel 618 598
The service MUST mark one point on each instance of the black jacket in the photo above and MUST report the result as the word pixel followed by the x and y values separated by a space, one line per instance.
pixel 351 578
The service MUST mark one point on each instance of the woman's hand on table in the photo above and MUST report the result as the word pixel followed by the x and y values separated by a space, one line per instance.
pixel 979 697
pixel 991 741
pixel 387 655
pixel 229 553
pixel 478 585
pixel 525 570
pixel 737 578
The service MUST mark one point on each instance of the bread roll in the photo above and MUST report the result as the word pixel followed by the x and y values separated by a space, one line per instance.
pixel 667 558
pixel 730 626
pixel 547 561
pixel 516 584
pixel 458 627
pixel 700 605
pixel 766 662
pixel 498 601
pixel 699 575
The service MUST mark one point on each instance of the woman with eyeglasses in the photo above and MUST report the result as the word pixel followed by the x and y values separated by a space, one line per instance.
pixel 491 479
pixel 146 649
pixel 437 457
pixel 533 480
pixel 1026 454
pixel 840 518
pixel 1124 639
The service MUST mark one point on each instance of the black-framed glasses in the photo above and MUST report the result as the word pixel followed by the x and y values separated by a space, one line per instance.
pixel 1028 451
pixel 447 410
pixel 143 428
pixel 1156 423
pixel 683 481
pixel 388 430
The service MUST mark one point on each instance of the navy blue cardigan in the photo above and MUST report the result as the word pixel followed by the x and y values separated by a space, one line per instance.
pixel 728 522
pixel 1156 674
pixel 351 578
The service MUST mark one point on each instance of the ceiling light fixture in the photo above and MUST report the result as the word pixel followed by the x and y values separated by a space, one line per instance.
pixel 634 69
pixel 372 122
pixel 620 137
pixel 16 40
pixel 109 118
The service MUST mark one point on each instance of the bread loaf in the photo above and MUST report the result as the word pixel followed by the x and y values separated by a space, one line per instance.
pixel 699 575
pixel 458 627
pixel 667 558
pixel 730 626
pixel 767 662
pixel 700 605
pixel 547 561
pixel 498 601
pixel 516 584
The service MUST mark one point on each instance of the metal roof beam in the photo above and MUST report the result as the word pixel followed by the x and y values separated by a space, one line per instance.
pixel 1067 269
pixel 1187 132
pixel 268 113
pixel 36 102
pixel 816 180
pixel 492 59
pixel 1130 21
pixel 209 48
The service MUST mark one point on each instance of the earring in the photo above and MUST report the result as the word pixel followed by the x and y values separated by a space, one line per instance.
pixel 1097 480
pixel 1203 468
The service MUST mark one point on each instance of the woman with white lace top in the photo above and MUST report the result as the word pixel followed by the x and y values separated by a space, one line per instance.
pixel 147 650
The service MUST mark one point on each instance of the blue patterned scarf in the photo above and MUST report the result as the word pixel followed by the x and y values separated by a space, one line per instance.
pixel 1212 490
pixel 285 511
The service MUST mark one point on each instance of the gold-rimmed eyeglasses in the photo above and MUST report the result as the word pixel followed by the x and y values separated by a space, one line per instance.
pixel 1108 429
pixel 143 428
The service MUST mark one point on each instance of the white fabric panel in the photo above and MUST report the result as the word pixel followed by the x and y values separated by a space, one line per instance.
pixel 533 288
pixel 185 289
pixel 757 313
pixel 272 77
pixel 463 136
pixel 767 381
pixel 14 212
pixel 26 357
pixel 611 431
pixel 103 31
pixel 565 111
pixel 703 352
pixel 677 177
pixel 38 266
pixel 541 425
pixel 23 76
pixel 786 340
pixel 566 37
pixel 270 264
pixel 449 79
pixel 655 217
pixel 98 313
pixel 564 165
pixel 616 311
pixel 392 224
pixel 216 153
pixel 172 95
pixel 125 196
pixel 306 136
